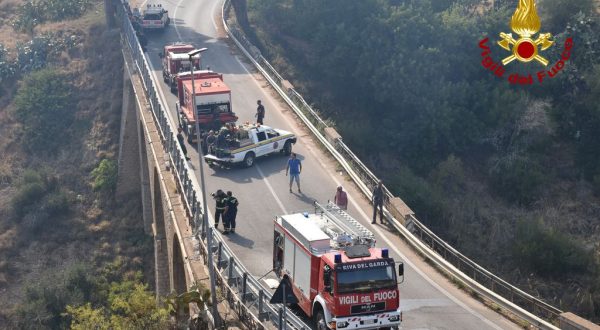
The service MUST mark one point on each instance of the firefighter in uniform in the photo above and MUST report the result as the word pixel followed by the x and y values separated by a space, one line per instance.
pixel 231 204
pixel 219 197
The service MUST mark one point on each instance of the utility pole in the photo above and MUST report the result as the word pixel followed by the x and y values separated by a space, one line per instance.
pixel 206 224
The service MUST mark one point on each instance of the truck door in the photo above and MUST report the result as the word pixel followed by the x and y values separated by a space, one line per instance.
pixel 278 243
pixel 326 284
pixel 262 148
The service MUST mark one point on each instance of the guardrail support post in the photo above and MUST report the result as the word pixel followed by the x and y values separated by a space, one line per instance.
pixel 219 258
pixel 230 278
pixel 244 286
pixel 281 326
pixel 262 315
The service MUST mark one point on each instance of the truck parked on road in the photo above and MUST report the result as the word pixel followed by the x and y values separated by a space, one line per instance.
pixel 248 141
pixel 175 59
pixel 155 17
pixel 213 102
pixel 339 277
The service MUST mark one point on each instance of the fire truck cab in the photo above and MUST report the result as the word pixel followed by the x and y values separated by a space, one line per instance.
pixel 212 100
pixel 340 278
pixel 175 59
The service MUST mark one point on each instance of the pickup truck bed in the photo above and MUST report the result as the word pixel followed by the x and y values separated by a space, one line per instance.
pixel 245 150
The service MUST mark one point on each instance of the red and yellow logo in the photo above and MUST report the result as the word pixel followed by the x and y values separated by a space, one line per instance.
pixel 525 22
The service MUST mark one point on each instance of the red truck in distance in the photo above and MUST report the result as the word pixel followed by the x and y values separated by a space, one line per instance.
pixel 213 102
pixel 175 59
pixel 341 280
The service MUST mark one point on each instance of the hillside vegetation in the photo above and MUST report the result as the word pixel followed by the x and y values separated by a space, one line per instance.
pixel 71 256
pixel 509 175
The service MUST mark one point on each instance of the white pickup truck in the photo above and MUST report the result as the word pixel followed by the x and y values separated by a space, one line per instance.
pixel 155 18
pixel 248 142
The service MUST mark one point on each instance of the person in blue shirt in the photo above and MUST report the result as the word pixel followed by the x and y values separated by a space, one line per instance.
pixel 294 167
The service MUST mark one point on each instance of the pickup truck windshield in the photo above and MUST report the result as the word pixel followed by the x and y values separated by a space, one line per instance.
pixel 152 17
pixel 366 280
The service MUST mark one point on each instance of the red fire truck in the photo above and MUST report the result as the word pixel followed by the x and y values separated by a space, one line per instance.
pixel 340 278
pixel 175 59
pixel 213 102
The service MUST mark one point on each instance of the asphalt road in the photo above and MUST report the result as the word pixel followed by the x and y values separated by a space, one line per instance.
pixel 428 300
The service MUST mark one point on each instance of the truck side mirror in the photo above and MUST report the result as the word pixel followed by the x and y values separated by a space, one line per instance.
pixel 401 271
pixel 161 55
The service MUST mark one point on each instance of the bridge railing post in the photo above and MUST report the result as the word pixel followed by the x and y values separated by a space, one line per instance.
pixel 262 315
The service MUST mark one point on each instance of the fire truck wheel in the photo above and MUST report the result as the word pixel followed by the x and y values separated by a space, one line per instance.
pixel 249 159
pixel 320 321
pixel 287 148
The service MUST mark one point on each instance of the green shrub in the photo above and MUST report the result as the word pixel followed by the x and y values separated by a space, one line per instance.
pixel 518 180
pixel 426 201
pixel 46 300
pixel 38 52
pixel 130 306
pixel 45 107
pixel 7 67
pixel 34 12
pixel 39 201
pixel 56 203
pixel 105 176
pixel 31 191
pixel 548 252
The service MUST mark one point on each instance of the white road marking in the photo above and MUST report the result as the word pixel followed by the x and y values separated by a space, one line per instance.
pixel 262 175
pixel 174 16
pixel 212 10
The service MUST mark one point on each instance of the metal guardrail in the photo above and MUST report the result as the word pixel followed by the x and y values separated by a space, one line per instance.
pixel 246 296
pixel 446 257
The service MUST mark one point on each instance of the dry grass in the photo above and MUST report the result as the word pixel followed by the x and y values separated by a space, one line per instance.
pixel 8 37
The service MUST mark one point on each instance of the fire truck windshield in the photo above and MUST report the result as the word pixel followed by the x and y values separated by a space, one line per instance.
pixel 366 279
pixel 214 108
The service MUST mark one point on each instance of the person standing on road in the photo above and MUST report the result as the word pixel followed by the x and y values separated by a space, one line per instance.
pixel 377 200
pixel 219 197
pixel 341 198
pixel 182 143
pixel 294 167
pixel 230 213
pixel 260 113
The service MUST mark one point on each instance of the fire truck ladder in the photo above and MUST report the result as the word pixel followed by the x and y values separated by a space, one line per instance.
pixel 347 223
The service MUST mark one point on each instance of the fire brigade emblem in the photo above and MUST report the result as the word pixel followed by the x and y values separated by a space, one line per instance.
pixel 526 23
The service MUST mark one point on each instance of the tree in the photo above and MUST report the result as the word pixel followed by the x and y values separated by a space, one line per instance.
pixel 130 305
pixel 558 13
pixel 45 108
pixel 105 176
pixel 241 12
